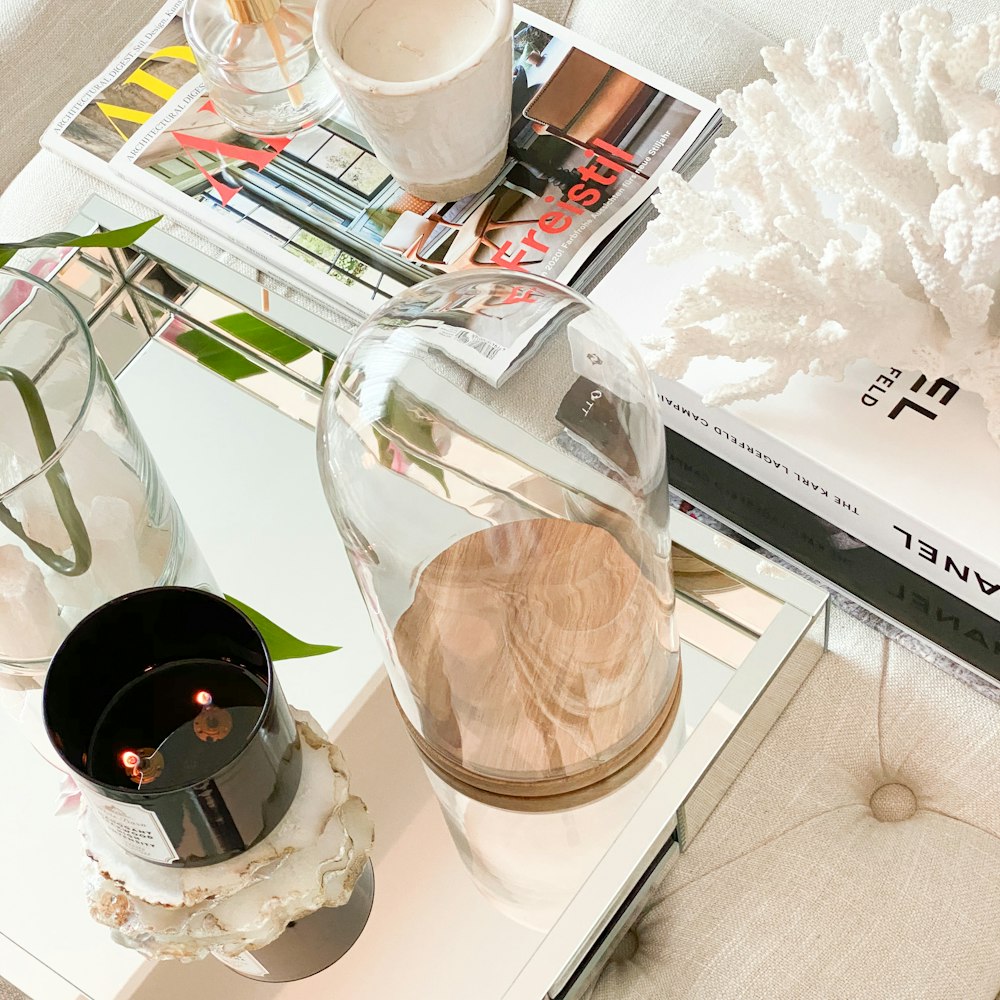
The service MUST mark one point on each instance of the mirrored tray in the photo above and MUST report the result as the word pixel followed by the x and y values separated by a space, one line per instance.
pixel 225 378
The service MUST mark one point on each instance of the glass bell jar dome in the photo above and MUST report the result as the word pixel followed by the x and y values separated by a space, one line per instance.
pixel 491 447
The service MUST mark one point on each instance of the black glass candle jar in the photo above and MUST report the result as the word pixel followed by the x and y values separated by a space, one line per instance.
pixel 165 704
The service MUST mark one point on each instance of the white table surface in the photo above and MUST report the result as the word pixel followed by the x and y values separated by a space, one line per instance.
pixel 215 446
pixel 292 568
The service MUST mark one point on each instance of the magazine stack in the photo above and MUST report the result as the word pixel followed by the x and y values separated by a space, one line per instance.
pixel 590 135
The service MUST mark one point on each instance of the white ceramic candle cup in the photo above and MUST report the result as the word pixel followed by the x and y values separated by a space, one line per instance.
pixel 444 136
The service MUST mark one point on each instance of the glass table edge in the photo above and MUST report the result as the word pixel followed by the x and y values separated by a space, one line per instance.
pixel 650 829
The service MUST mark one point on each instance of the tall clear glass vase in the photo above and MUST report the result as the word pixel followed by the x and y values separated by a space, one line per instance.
pixel 492 450
pixel 84 514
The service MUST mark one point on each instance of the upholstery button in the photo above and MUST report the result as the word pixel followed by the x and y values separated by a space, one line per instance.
pixel 892 803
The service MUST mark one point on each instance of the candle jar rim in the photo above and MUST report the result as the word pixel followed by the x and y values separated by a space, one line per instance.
pixel 343 71
pixel 152 793
pixel 93 362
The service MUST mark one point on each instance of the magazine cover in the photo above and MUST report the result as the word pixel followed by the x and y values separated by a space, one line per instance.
pixel 590 134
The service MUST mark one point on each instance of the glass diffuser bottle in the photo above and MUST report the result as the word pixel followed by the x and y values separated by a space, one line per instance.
pixel 260 64
pixel 491 447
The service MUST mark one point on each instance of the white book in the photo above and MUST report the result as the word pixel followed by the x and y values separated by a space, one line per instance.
pixel 898 460
pixel 321 211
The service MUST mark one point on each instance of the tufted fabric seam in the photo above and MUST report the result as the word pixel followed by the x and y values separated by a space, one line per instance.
pixel 964 822
pixel 8 991
pixel 883 684
pixel 846 906
pixel 764 843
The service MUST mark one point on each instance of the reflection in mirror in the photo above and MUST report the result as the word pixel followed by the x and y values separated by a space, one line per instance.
pixel 161 281
pixel 128 297
pixel 85 284
pixel 529 865
pixel 119 334
pixel 722 594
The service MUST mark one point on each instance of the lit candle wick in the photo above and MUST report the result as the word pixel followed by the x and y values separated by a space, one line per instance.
pixel 410 48
pixel 212 723
pixel 144 765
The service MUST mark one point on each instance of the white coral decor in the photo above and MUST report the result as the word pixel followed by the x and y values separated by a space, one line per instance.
pixel 855 213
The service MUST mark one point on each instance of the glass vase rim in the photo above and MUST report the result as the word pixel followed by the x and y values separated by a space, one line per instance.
pixel 269 698
pixel 93 363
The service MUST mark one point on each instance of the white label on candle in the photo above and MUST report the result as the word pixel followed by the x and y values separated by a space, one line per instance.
pixel 246 962
pixel 136 829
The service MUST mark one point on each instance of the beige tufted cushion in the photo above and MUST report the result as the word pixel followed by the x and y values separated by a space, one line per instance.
pixel 857 857
pixel 8 992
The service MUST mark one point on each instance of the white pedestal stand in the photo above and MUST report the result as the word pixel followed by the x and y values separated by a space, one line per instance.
pixel 312 875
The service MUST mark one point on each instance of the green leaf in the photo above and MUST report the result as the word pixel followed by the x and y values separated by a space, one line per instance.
pixel 410 429
pixel 435 471
pixel 117 238
pixel 328 365
pixel 265 338
pixel 282 644
pixel 385 457
pixel 216 356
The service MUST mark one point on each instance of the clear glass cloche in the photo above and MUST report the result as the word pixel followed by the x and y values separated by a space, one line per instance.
pixel 492 450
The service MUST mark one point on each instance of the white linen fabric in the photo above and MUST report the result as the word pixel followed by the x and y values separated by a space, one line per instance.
pixel 856 857
pixel 50 49
pixel 8 992
pixel 653 31
pixel 554 10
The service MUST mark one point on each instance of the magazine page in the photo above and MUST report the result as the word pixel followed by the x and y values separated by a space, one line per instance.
pixel 590 134
pixel 136 87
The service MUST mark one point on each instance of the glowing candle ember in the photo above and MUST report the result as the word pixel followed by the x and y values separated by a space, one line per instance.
pixel 142 766
pixel 212 723
pixel 167 720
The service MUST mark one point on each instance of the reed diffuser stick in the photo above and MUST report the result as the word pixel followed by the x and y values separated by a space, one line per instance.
pixel 264 14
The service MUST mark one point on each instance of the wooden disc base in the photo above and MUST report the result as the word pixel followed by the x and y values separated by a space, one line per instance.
pixel 551 794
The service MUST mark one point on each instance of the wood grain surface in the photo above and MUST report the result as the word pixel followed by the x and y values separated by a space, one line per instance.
pixel 540 656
